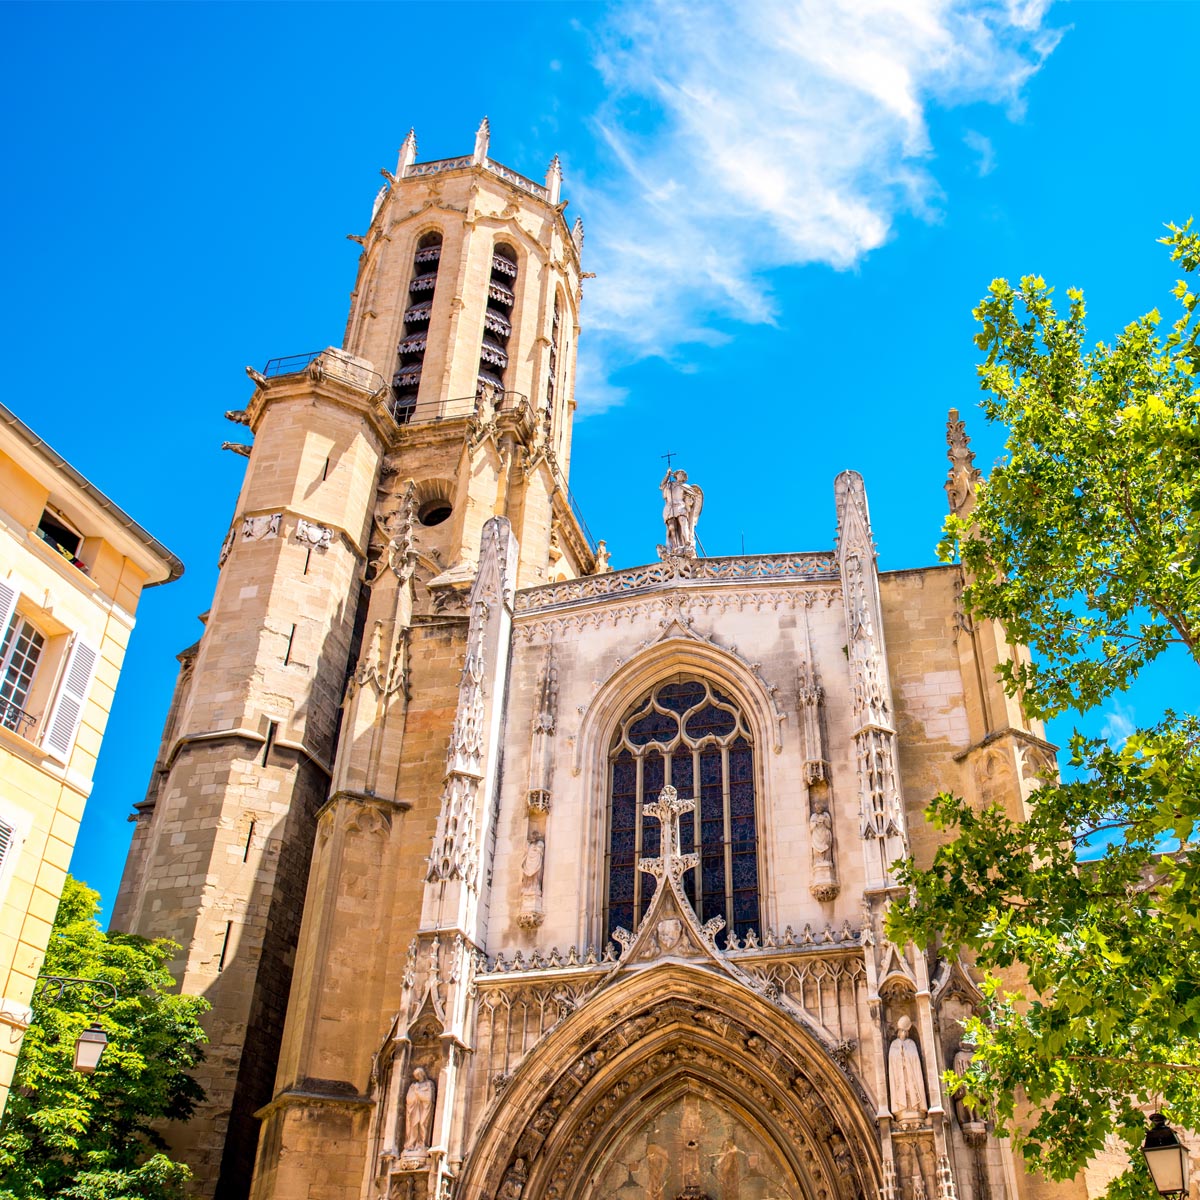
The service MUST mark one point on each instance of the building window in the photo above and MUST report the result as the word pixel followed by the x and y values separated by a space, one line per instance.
pixel 411 350
pixel 58 535
pixel 19 655
pixel 497 322
pixel 688 734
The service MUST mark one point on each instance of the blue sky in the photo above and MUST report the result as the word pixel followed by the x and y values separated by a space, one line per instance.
pixel 791 209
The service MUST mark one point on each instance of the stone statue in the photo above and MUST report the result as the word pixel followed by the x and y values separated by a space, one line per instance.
pixel 962 1063
pixel 514 1182
pixel 682 502
pixel 418 1112
pixel 824 884
pixel 603 566
pixel 820 830
pixel 531 866
pixel 906 1078
pixel 485 404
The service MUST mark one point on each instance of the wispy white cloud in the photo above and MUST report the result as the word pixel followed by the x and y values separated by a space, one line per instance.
pixel 984 150
pixel 1118 722
pixel 745 137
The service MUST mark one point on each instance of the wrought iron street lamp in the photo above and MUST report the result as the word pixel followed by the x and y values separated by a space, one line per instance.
pixel 88 1048
pixel 1166 1157
pixel 89 1045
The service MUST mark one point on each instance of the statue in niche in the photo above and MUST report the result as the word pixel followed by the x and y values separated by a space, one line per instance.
pixel 514 1182
pixel 820 833
pixel 682 502
pixel 906 1078
pixel 531 867
pixel 418 1113
pixel 962 1063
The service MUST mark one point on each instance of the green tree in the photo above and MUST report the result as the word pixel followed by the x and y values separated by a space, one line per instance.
pixel 1085 542
pixel 91 1137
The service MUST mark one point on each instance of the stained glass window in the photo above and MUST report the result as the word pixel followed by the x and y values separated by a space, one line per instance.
pixel 689 733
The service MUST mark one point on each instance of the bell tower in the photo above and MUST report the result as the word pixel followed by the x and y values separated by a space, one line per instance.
pixel 286 833
pixel 467 302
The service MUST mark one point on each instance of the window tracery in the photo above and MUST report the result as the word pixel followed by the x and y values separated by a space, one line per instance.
pixel 686 733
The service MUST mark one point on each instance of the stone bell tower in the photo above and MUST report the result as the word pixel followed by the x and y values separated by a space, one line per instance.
pixel 299 778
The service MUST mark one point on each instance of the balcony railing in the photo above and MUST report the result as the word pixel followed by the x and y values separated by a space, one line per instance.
pixel 334 364
pixel 16 718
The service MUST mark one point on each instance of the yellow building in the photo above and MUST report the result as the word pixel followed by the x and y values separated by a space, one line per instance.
pixel 72 569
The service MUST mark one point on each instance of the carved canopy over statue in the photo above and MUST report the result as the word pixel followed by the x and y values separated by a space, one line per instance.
pixel 682 502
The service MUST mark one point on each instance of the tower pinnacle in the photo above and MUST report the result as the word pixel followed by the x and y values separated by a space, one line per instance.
pixel 554 178
pixel 408 154
pixel 483 136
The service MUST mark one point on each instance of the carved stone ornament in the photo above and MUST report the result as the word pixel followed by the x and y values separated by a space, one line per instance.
pixel 963 474
pixel 308 533
pixel 226 546
pixel 258 529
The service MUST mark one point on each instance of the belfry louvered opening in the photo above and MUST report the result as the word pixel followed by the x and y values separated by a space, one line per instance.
pixel 552 363
pixel 688 734
pixel 497 319
pixel 411 350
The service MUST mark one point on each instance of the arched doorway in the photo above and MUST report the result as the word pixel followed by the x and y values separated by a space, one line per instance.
pixel 676 1081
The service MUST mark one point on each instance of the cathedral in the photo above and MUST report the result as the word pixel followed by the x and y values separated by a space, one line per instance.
pixel 513 876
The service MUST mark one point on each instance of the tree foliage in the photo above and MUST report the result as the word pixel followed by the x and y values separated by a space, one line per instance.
pixel 1085 542
pixel 91 1137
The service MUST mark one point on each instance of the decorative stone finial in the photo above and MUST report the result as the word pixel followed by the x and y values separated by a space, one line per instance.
pixel 483 136
pixel 408 154
pixel 577 235
pixel 554 179
pixel 963 474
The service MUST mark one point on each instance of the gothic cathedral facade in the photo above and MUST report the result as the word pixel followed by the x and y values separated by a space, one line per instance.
pixel 511 876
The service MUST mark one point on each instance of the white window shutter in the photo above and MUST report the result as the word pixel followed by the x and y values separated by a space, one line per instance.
pixel 67 710
pixel 8 602
pixel 7 839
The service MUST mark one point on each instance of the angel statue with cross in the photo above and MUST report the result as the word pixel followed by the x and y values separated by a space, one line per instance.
pixel 682 502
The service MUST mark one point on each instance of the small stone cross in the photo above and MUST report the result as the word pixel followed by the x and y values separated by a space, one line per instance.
pixel 668 808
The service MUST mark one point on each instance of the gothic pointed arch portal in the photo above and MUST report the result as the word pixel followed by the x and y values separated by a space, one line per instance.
pixel 675 1082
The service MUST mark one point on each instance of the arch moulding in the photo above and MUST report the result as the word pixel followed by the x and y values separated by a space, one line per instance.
pixel 644 1043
